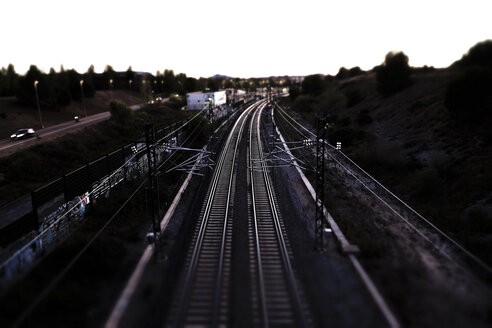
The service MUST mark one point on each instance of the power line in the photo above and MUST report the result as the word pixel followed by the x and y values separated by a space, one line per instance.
pixel 99 187
pixel 47 290
pixel 295 121
pixel 455 243
pixel 67 268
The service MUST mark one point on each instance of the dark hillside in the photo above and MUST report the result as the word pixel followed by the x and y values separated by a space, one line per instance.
pixel 412 143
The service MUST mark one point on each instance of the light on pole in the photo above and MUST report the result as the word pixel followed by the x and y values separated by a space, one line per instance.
pixel 111 87
pixel 37 101
pixel 82 92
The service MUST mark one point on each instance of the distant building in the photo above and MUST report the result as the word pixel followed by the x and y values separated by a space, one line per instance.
pixel 235 96
pixel 197 100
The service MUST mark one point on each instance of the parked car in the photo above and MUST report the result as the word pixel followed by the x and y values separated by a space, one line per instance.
pixel 22 133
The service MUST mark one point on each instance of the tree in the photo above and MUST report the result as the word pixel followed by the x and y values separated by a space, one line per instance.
pixel 170 82
pixel 8 80
pixel 130 78
pixel 191 84
pixel 181 83
pixel 469 97
pixel 59 95
pixel 343 73
pixel 312 85
pixel 294 91
pixel 108 76
pixel 478 55
pixel 213 84
pixel 89 86
pixel 394 74
pixel 24 90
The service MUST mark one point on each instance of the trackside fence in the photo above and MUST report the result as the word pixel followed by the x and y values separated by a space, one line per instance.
pixel 61 205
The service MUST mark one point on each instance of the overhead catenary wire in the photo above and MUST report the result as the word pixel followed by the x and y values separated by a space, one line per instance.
pixel 295 121
pixel 292 125
pixel 67 268
pixel 473 257
pixel 46 291
pixel 182 126
pixel 312 168
pixel 57 221
pixel 101 185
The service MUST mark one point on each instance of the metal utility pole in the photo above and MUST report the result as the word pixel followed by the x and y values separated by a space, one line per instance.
pixel 149 141
pixel 320 220
pixel 37 101
pixel 82 93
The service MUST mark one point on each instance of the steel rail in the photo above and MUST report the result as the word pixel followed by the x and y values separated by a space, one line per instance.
pixel 257 238
pixel 191 272
pixel 289 273
pixel 224 231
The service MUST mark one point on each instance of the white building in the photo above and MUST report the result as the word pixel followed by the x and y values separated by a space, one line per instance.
pixel 197 100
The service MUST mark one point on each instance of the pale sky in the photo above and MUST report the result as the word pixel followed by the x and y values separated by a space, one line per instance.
pixel 252 38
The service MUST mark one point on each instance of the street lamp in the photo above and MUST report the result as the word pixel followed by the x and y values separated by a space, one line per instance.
pixel 82 92
pixel 37 101
pixel 111 87
pixel 130 83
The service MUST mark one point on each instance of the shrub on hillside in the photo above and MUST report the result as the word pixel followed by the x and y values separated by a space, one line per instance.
pixel 305 103
pixel 469 97
pixel 294 91
pixel 344 73
pixel 478 55
pixel 313 85
pixel 380 155
pixel 394 74
pixel 354 96
pixel 425 182
pixel 347 135
pixel 120 112
pixel 364 118
pixel 332 101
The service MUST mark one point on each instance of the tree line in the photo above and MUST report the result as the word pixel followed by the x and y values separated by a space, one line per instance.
pixel 468 95
pixel 57 89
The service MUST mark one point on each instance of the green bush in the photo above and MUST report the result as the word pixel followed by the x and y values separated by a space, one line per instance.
pixel 120 112
pixel 394 74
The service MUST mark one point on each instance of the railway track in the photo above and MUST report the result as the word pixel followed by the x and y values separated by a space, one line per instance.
pixel 276 297
pixel 203 297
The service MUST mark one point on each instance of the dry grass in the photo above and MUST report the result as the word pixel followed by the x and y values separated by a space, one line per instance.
pixel 14 116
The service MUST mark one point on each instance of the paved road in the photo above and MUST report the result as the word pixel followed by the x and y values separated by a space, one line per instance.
pixel 8 147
